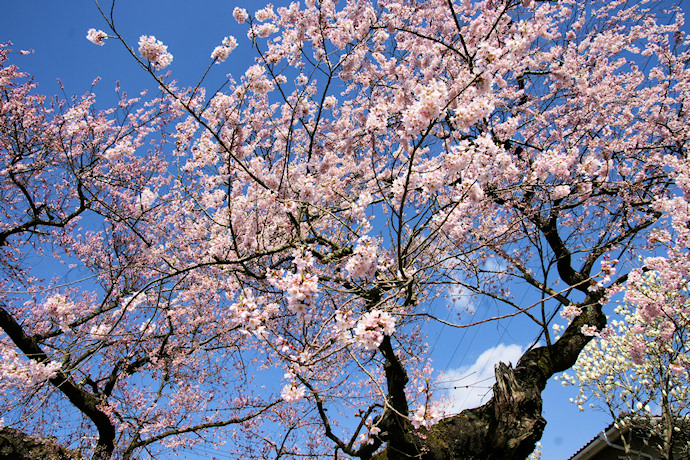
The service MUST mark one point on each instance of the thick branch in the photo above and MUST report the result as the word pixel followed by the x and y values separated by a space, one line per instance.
pixel 549 229
pixel 397 429
pixel 82 400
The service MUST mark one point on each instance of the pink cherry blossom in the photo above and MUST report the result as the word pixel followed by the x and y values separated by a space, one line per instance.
pixel 430 104
pixel 96 37
pixel 371 329
pixel 155 51
pixel 221 53
pixel 570 311
pixel 265 14
pixel 292 393
pixel 589 331
pixel 364 261
pixel 240 15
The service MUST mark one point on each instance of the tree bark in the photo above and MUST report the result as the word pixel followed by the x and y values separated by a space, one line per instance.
pixel 19 446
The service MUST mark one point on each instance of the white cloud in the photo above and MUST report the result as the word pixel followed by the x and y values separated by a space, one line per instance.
pixel 461 298
pixel 470 386
pixel 496 265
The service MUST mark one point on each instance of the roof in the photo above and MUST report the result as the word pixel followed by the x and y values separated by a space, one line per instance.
pixel 597 443
pixel 610 435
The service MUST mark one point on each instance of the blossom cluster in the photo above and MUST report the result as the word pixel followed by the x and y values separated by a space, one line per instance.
pixel 301 287
pixel 257 81
pixel 25 372
pixel 588 330
pixel 265 14
pixel 155 51
pixel 343 326
pixel 364 261
pixel 661 317
pixel 640 358
pixel 426 416
pixel 146 199
pixel 262 30
pixel 240 15
pixel 96 37
pixel 607 269
pixel 293 391
pixel 571 311
pixel 430 104
pixel 248 314
pixel 60 308
pixel 369 435
pixel 559 192
pixel 76 117
pixel 377 120
pixel 222 52
pixel 371 329
pixel 469 113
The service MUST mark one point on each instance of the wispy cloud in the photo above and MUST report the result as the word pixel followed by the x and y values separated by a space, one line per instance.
pixel 495 265
pixel 461 298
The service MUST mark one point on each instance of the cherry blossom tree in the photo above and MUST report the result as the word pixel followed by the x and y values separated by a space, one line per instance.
pixel 264 276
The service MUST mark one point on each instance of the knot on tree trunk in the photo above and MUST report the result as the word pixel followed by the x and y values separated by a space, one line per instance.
pixel 517 410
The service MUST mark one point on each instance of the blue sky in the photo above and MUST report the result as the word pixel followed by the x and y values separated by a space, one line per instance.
pixel 56 31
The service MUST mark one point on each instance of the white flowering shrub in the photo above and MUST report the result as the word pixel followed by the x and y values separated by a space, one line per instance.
pixel 637 369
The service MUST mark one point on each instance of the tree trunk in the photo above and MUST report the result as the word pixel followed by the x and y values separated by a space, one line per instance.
pixel 16 445
pixel 510 424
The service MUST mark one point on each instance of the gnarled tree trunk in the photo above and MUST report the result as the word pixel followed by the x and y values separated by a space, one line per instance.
pixel 16 445
pixel 510 424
